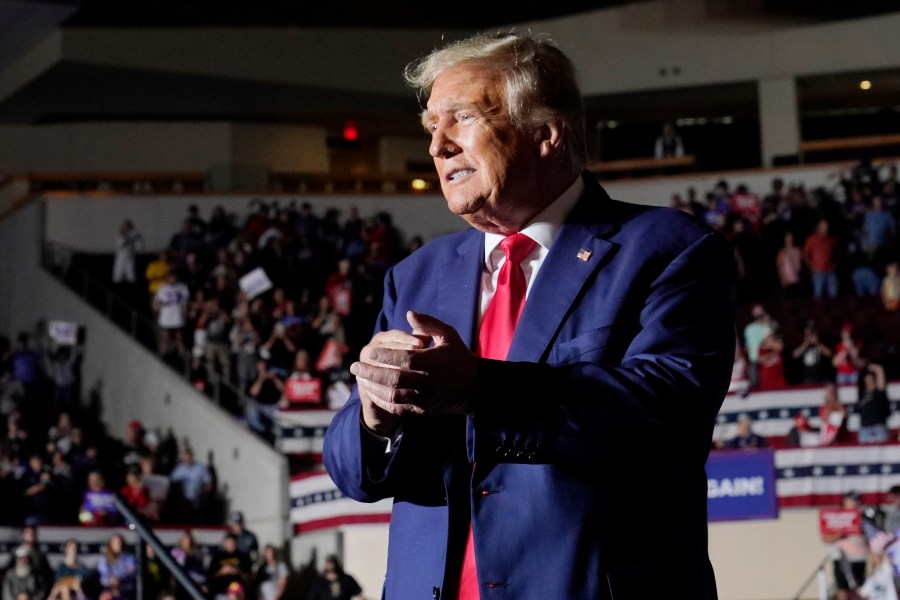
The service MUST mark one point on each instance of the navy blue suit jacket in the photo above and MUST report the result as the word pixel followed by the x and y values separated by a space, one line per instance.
pixel 589 442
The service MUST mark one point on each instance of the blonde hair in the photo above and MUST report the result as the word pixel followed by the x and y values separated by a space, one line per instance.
pixel 541 82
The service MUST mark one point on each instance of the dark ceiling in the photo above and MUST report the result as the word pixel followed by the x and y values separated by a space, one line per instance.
pixel 402 13
pixel 325 13
pixel 71 91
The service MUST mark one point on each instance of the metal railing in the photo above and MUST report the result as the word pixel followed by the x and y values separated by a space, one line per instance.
pixel 818 575
pixel 146 537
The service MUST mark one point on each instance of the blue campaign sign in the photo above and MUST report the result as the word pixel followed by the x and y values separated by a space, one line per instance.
pixel 741 485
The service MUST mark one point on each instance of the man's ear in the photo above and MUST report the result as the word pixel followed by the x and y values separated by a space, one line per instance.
pixel 550 138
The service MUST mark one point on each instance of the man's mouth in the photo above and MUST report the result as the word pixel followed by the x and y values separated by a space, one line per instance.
pixel 459 174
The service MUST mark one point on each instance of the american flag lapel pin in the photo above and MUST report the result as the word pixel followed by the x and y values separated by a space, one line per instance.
pixel 583 254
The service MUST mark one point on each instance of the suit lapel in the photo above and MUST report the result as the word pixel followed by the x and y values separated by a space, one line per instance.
pixel 459 286
pixel 577 253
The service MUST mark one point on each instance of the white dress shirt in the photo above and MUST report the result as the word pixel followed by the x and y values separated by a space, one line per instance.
pixel 543 229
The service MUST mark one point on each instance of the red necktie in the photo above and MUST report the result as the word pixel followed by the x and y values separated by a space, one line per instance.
pixel 494 339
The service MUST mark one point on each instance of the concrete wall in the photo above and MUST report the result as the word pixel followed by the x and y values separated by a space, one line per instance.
pixel 134 384
pixel 90 223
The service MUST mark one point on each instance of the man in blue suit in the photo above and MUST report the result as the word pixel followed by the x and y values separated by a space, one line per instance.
pixel 574 468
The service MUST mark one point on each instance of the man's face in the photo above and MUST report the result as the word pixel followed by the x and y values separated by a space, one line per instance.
pixel 486 165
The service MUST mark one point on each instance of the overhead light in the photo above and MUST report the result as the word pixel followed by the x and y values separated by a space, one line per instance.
pixel 865 84
pixel 419 185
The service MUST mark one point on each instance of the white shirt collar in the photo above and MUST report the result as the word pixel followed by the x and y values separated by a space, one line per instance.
pixel 545 226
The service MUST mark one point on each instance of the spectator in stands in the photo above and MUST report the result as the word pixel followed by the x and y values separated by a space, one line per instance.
pixel 771 363
pixel 271 574
pixel 134 446
pixel 325 322
pixel 21 578
pixel 244 345
pixel 157 485
pixel 129 243
pixel 775 201
pixel 196 223
pixel 11 391
pixel 40 564
pixel 183 243
pixel 245 539
pixel 188 555
pixel 38 492
pixel 747 206
pixel 820 251
pixel 195 481
pixel 744 437
pixel 813 357
pixel 334 583
pixel 833 418
pixel 69 574
pixel 892 514
pixel 62 367
pixel 739 382
pixel 221 228
pixel 135 493
pixel 98 505
pixel 278 351
pixel 789 265
pixel 873 405
pixel 890 287
pixel 352 244
pixel 758 329
pixel 117 569
pixel 847 357
pixel 192 272
pixel 16 439
pixel 334 368
pixel 25 362
pixel 866 281
pixel 156 274
pixel 339 287
pixel 879 230
pixel 668 143
pixel 266 394
pixel 749 256
pixel 802 433
pixel 301 387
pixel 216 324
pixel 170 304
pixel 60 434
pixel 852 554
pixel 228 565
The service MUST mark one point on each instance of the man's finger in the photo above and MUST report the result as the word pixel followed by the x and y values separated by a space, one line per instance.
pixel 398 338
pixel 400 357
pixel 392 400
pixel 401 379
pixel 425 324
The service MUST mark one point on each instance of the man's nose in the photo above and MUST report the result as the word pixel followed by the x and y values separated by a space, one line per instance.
pixel 442 144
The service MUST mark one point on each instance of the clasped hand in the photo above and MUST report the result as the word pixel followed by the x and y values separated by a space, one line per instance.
pixel 427 372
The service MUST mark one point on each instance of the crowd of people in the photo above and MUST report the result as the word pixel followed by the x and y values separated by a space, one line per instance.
pixel 237 568
pixel 274 305
pixel 60 465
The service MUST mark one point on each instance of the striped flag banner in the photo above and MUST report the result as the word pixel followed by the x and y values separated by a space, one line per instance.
pixel 316 503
